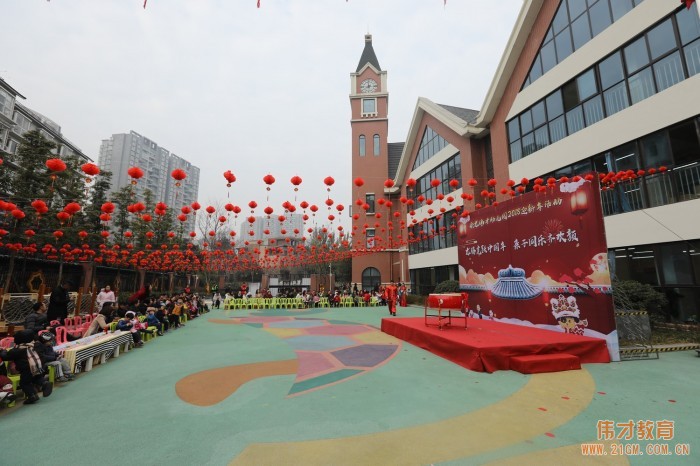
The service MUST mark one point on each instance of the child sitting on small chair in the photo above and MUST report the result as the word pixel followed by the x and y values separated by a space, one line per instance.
pixel 44 347
pixel 131 324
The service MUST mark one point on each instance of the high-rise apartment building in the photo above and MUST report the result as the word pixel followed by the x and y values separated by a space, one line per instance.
pixel 122 151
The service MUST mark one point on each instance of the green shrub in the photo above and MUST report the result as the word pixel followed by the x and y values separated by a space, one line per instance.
pixel 415 299
pixel 630 295
pixel 448 286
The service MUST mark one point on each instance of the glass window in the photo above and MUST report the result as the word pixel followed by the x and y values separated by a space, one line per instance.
pixel 516 152
pixel 621 269
pixel 581 30
pixel 526 122
pixel 586 85
pixel 655 150
pixel 643 268
pixel 616 98
pixel 600 163
pixel 694 249
pixel 641 85
pixel 557 129
pixel 513 129
pixel 570 92
pixel 528 144
pixel 593 110
pixel 669 71
pixel 574 120
pixel 362 145
pixel 536 70
pixel 576 7
pixel 636 55
pixel 600 17
pixel 376 144
pixel 675 263
pixel 582 167
pixel 541 137
pixel 538 116
pixel 563 42
pixel 662 39
pixel 611 70
pixel 624 157
pixel 692 57
pixel 555 106
pixel 549 57
pixel 561 20
pixel 620 8
pixel 688 24
pixel 369 106
pixel 684 144
pixel 369 200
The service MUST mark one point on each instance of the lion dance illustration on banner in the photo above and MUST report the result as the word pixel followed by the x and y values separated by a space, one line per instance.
pixel 541 260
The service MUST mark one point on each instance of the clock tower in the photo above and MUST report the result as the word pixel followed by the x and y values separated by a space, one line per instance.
pixel 369 101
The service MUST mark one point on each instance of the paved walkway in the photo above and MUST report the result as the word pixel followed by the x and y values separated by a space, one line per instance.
pixel 327 387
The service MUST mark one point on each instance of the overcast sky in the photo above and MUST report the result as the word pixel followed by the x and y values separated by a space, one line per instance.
pixel 229 86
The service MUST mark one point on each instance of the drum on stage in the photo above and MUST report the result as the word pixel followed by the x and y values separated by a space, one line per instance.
pixel 448 301
pixel 445 304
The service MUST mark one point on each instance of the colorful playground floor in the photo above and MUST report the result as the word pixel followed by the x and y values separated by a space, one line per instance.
pixel 326 387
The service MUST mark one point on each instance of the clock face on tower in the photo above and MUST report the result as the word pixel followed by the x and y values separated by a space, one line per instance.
pixel 368 85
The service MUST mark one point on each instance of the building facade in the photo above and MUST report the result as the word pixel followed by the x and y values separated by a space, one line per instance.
pixel 606 86
pixel 122 151
pixel 17 119
pixel 374 160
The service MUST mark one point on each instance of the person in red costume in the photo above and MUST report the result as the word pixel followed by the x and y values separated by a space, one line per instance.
pixel 391 296
pixel 402 294
pixel 141 295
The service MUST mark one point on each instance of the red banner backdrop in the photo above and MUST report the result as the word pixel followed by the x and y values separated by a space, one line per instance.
pixel 540 259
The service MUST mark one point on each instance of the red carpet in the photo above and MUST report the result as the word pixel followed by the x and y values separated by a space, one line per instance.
pixel 487 346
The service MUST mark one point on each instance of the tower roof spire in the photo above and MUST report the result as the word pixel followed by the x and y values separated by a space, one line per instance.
pixel 368 55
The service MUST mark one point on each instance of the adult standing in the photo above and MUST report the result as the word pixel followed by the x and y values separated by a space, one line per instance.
pixel 106 295
pixel 58 303
pixel 402 295
pixel 391 297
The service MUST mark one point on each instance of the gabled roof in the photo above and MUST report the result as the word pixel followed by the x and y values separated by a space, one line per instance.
pixel 465 114
pixel 4 84
pixel 394 157
pixel 368 55
pixel 457 119
pixel 514 47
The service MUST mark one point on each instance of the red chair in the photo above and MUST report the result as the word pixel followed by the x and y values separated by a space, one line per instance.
pixel 88 319
pixel 61 335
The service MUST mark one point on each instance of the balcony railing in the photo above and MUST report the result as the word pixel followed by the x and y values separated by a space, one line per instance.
pixel 676 185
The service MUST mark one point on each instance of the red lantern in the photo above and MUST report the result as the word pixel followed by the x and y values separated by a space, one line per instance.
pixel 359 182
pixel 90 169
pixel 107 207
pixel 269 179
pixel 62 216
pixel 329 181
pixel 230 178
pixel 178 175
pixel 210 210
pixel 135 173
pixel 389 183
pixel 56 165
pixel 296 180
pixel 252 204
pixel 72 208
pixel 195 206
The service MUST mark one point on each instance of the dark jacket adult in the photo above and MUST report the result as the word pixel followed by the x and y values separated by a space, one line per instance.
pixel 58 304
pixel 19 355
pixel 36 321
